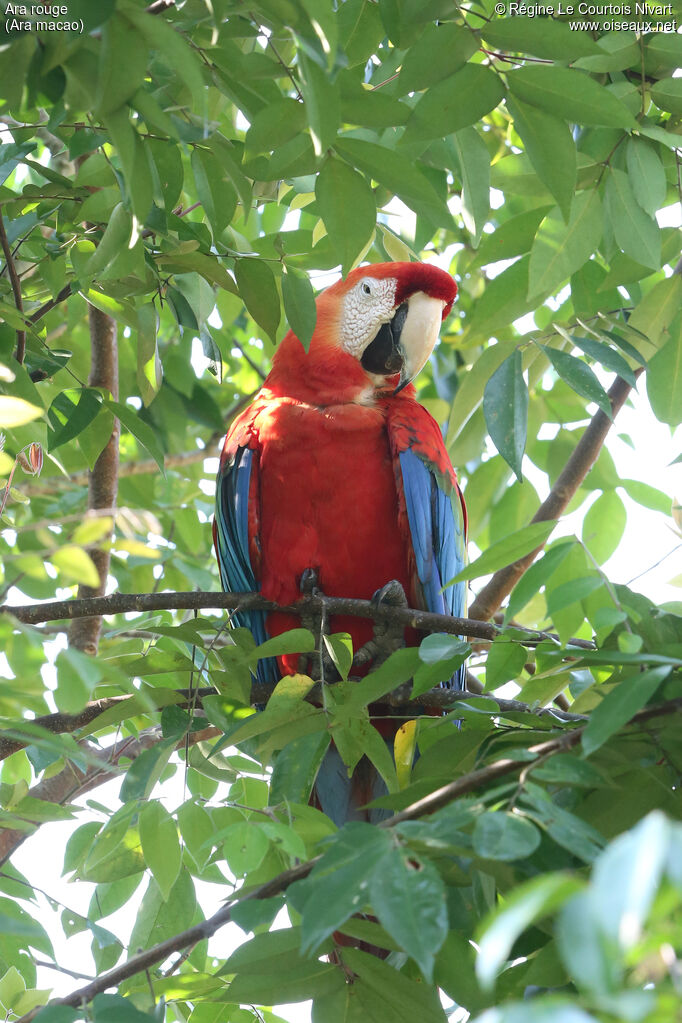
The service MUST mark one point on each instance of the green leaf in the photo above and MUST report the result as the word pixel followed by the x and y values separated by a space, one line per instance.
pixel 139 429
pixel 296 767
pixel 474 162
pixel 258 290
pixel 270 969
pixel 530 901
pixel 542 1009
pixel 656 311
pixel 578 375
pixel 542 37
pixel 536 577
pixel 664 381
pixel 570 94
pixel 584 947
pixel 145 771
pixel 286 706
pixel 322 103
pixel 637 233
pixel 57 1014
pixel 157 917
pixel 134 161
pixel 441 647
pixel 550 148
pixel 409 900
pixel 214 188
pixel 399 174
pixel 507 551
pixel 505 407
pixel 122 65
pixel 295 641
pixel 160 846
pixel 435 54
pixel 647 174
pixel 17 412
pixel 572 592
pixel 504 836
pixel 667 94
pixel 340 649
pixel 149 369
pixel 338 884
pixel 299 305
pixel 605 355
pixel 348 209
pixel 626 878
pixel 649 497
pixel 604 525
pixel 458 101
pixel 244 845
pixel 394 996
pixel 274 125
pixel 561 248
pixel 116 237
pixel 70 413
pixel 504 663
pixel 625 699
pixel 75 566
pixel 184 61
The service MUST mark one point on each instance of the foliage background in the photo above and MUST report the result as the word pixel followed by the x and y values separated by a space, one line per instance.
pixel 187 170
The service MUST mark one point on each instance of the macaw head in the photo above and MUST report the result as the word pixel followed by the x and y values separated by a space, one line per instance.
pixel 375 330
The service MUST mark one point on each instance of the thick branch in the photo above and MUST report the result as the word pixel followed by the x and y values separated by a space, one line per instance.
pixel 576 469
pixel 124 603
pixel 434 801
pixel 103 480
pixel 16 288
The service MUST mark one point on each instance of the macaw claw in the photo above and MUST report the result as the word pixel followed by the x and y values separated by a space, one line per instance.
pixel 388 636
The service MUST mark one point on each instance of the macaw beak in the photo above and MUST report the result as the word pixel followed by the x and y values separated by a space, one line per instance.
pixel 419 334
pixel 404 343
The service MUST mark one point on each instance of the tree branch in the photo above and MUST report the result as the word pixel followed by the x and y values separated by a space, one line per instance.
pixel 124 603
pixel 16 288
pixel 103 480
pixel 12 740
pixel 574 472
pixel 43 310
pixel 470 782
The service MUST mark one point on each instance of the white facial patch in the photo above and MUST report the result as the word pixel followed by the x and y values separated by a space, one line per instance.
pixel 366 306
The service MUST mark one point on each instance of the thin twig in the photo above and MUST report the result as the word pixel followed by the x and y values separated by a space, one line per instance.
pixel 45 309
pixel 16 289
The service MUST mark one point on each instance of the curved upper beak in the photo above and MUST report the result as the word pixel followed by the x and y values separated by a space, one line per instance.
pixel 419 334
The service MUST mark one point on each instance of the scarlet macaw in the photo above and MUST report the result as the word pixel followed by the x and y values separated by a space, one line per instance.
pixel 336 467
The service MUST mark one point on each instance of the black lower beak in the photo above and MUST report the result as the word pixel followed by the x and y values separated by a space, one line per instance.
pixel 383 355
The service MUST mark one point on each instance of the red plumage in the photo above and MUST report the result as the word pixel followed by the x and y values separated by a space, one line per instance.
pixel 324 494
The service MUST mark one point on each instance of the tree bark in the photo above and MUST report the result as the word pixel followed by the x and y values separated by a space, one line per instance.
pixel 103 480
pixel 574 472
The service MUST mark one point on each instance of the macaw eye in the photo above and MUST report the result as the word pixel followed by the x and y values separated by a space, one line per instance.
pixel 366 290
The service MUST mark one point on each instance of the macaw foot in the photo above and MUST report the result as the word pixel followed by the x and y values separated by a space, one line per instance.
pixel 319 663
pixel 388 636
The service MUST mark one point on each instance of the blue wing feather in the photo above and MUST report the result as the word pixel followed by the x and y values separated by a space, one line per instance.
pixel 232 546
pixel 437 531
